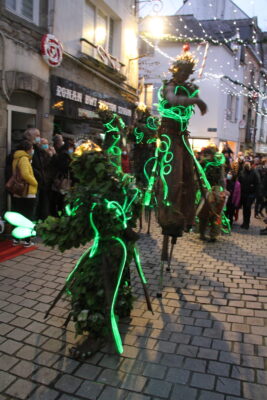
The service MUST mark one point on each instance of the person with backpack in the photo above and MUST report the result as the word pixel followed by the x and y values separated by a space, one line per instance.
pixel 24 203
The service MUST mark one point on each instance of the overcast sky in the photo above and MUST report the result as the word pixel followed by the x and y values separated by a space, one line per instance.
pixel 253 8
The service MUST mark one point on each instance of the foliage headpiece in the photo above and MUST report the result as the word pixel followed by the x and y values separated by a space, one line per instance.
pixel 185 61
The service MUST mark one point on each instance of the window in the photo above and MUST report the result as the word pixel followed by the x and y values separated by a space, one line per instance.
pixel 232 108
pixel 148 95
pixel 98 29
pixel 101 30
pixel 111 36
pixel 27 9
pixel 262 129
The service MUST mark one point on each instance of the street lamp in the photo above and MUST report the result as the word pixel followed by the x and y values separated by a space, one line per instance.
pixel 157 5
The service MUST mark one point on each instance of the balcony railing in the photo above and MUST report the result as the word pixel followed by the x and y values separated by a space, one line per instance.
pixel 99 53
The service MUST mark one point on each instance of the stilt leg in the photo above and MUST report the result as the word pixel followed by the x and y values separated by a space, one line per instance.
pixel 164 257
pixel 141 222
pixel 142 278
pixel 160 286
pixel 55 301
pixel 173 242
pixel 149 222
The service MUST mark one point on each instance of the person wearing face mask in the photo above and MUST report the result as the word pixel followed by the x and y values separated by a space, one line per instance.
pixel 250 185
pixel 25 204
pixel 62 177
pixel 233 187
pixel 45 146
pixel 40 165
pixel 238 164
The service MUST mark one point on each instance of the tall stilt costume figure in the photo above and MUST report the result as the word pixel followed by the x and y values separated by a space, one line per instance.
pixel 176 196
pixel 102 207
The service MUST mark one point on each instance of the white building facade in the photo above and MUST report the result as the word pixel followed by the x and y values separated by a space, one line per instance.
pixel 221 65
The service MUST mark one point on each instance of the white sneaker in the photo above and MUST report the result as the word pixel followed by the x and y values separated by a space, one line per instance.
pixel 16 242
pixel 27 244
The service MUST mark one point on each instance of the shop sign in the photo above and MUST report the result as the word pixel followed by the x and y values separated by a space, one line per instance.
pixel 69 98
pixel 212 129
pixel 52 50
pixel 261 148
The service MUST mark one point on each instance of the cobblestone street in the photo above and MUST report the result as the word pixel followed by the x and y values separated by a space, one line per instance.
pixel 205 341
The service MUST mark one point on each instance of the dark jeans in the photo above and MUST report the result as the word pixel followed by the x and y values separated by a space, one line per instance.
pixel 247 202
pixel 42 205
pixel 230 211
pixel 258 205
pixel 56 203
pixel 25 207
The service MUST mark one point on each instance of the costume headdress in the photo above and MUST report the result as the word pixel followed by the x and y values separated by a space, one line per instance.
pixel 184 61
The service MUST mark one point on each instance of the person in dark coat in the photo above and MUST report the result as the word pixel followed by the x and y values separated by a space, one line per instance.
pixel 233 187
pixel 250 185
pixel 60 165
pixel 238 164
pixel 264 186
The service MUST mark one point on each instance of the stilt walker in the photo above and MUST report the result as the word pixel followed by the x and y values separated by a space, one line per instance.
pixel 176 194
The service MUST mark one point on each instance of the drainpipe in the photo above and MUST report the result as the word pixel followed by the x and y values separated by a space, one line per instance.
pixel 3 75
pixel 51 15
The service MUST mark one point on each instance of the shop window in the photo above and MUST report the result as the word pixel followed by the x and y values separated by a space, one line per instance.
pixel 27 9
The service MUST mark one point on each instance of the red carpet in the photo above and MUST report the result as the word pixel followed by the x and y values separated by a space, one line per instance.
pixel 8 251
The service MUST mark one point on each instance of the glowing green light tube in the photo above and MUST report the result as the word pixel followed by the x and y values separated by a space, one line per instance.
pixel 138 263
pixel 114 325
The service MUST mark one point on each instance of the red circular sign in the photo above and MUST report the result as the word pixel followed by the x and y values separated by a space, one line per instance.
pixel 51 50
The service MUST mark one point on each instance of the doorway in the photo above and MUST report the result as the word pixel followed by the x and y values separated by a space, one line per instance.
pixel 19 119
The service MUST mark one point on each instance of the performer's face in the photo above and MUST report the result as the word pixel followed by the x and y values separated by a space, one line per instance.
pixel 181 75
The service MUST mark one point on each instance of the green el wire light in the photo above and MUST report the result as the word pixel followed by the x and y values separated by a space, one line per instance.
pixel 139 135
pixel 138 263
pixel 180 113
pixel 165 163
pixel 152 179
pixel 96 232
pixel 114 324
pixel 152 123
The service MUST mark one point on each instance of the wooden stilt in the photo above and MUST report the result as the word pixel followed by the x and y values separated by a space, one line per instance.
pixel 173 242
pixel 148 302
pixel 164 257
pixel 149 222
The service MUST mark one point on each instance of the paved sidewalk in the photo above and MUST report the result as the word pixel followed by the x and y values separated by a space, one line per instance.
pixel 205 341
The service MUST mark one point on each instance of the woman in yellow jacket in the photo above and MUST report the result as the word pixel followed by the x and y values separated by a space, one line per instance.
pixel 25 205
